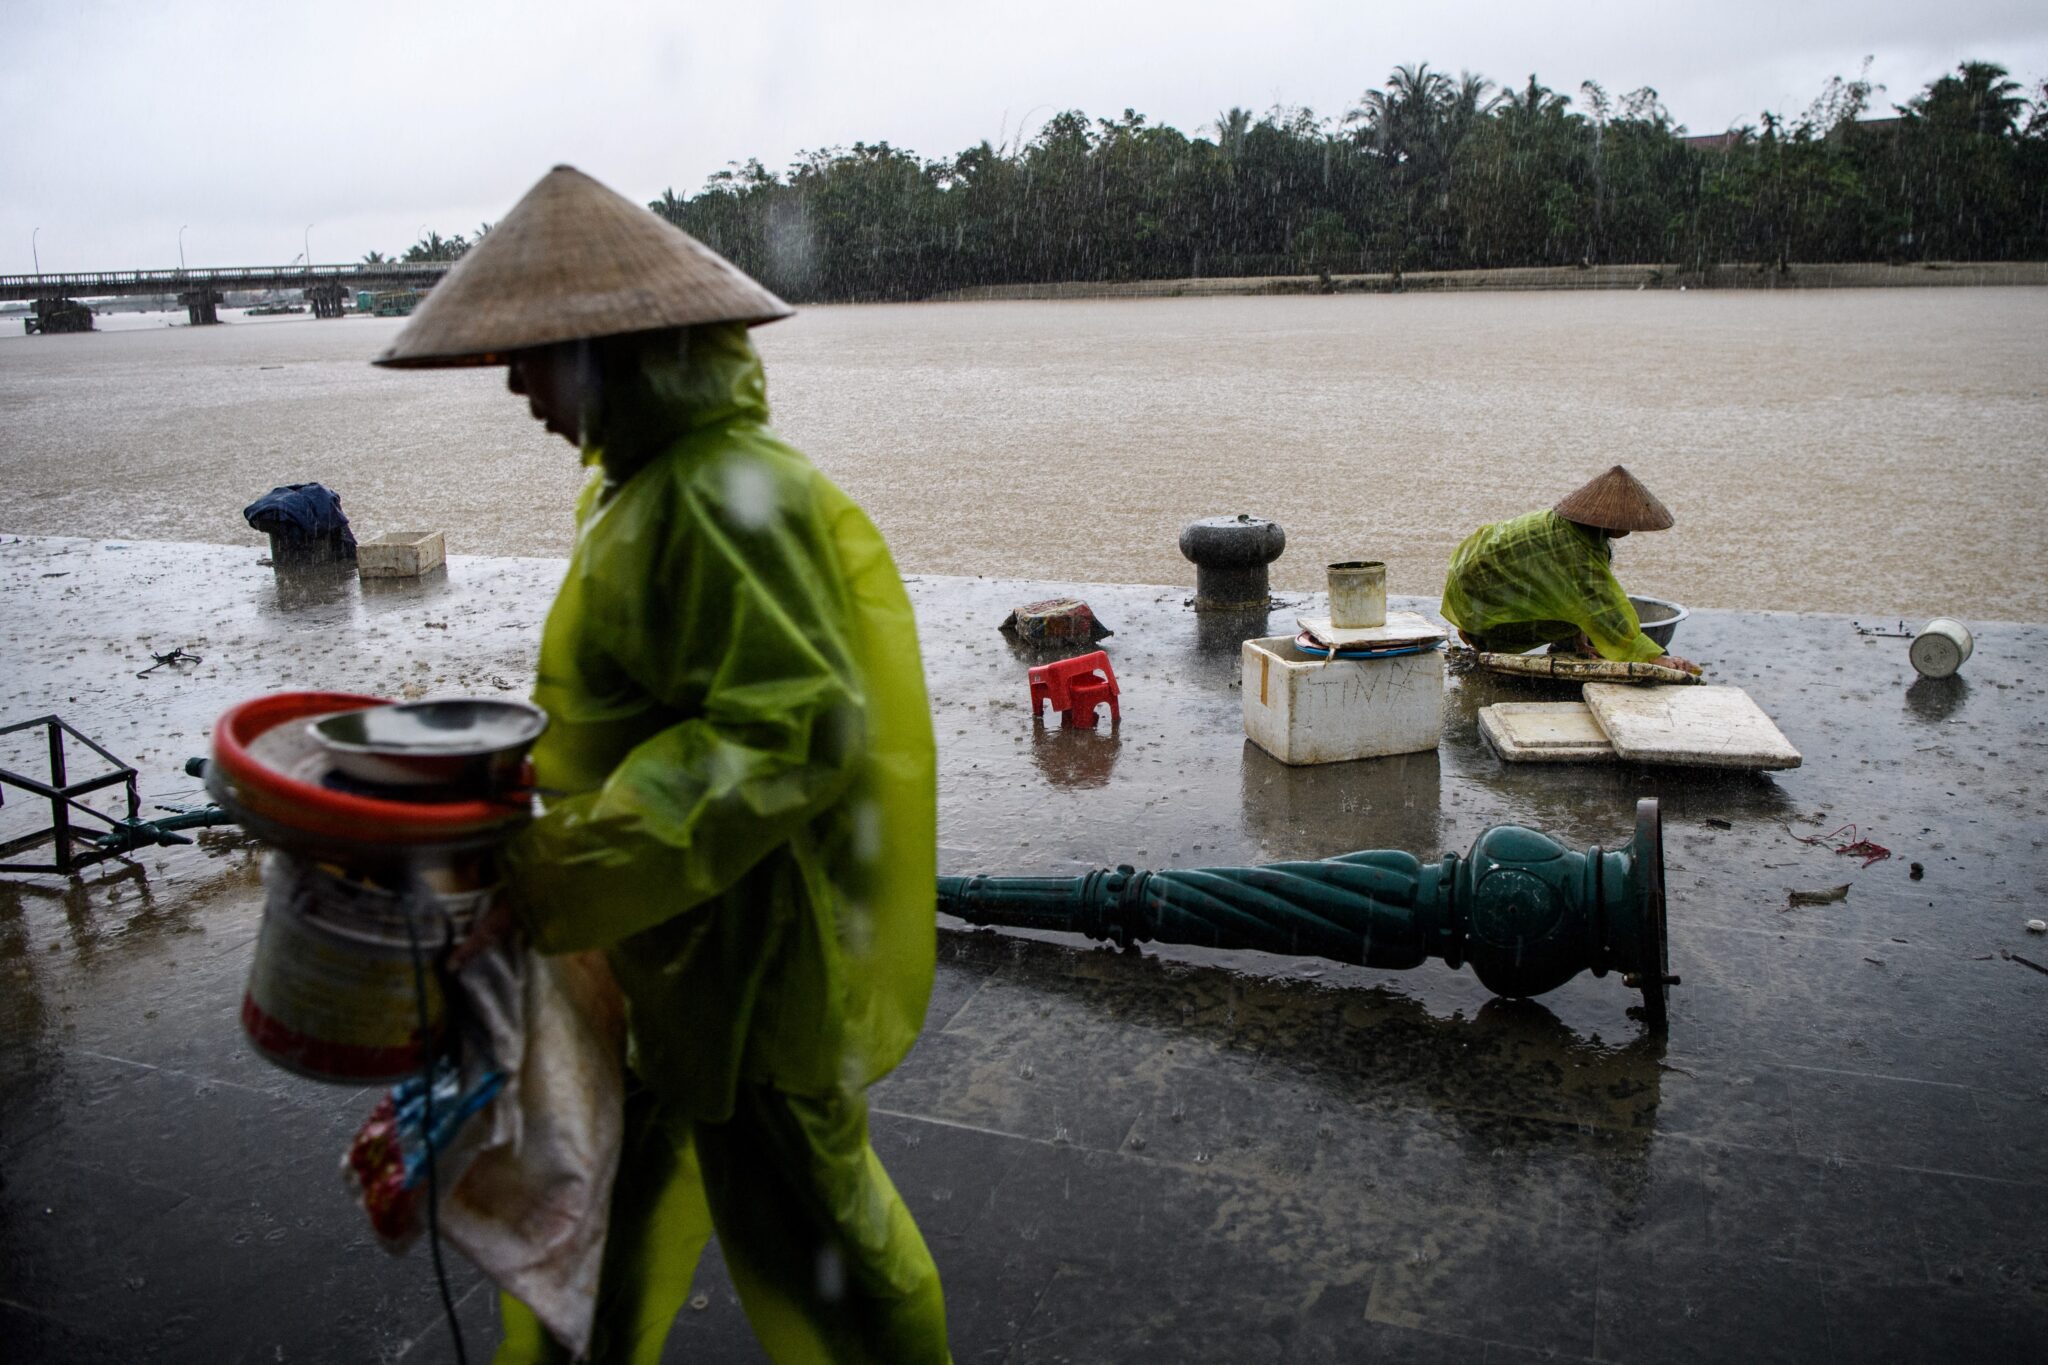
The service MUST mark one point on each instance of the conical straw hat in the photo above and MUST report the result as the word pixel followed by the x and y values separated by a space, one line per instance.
pixel 1616 501
pixel 574 260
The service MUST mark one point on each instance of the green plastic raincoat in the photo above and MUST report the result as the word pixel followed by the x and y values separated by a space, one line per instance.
pixel 739 786
pixel 1541 579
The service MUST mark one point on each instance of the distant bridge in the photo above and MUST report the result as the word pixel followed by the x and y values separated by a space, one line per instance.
pixel 325 286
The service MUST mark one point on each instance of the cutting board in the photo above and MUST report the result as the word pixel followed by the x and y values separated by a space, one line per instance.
pixel 1545 732
pixel 1702 727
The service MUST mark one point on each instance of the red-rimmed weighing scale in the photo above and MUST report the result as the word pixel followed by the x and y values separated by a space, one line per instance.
pixel 362 878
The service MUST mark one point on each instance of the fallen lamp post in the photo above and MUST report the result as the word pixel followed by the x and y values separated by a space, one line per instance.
pixel 1526 911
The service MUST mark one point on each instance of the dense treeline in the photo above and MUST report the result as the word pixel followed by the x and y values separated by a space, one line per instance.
pixel 1426 173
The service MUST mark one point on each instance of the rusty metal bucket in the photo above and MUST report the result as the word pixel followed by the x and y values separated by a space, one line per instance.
pixel 1358 594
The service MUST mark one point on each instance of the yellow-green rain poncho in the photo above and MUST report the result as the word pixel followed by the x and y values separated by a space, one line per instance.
pixel 739 784
pixel 1541 579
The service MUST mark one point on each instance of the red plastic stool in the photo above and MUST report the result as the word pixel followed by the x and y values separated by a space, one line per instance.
pixel 1075 687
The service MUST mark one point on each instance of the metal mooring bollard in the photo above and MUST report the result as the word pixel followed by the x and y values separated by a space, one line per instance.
pixel 1230 555
pixel 1527 912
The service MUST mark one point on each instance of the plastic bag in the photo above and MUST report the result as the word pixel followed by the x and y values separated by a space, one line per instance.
pixel 526 1133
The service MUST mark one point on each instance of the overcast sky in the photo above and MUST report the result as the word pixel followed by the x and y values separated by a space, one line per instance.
pixel 245 122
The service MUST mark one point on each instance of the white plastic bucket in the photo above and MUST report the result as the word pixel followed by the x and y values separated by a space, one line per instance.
pixel 1940 649
pixel 1358 594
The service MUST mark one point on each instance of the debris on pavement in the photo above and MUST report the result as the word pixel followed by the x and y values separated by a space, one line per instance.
pixel 1829 896
pixel 1853 846
pixel 170 660
pixel 1056 620
pixel 1571 669
pixel 305 524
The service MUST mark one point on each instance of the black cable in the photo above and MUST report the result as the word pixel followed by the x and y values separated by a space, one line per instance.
pixel 419 986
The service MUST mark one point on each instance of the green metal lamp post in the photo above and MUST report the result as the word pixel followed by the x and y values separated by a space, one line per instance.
pixel 1528 912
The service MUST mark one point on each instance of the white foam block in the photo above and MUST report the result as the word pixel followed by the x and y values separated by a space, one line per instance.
pixel 1701 727
pixel 1545 732
pixel 401 554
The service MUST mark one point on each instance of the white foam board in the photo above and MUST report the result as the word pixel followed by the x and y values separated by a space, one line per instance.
pixel 1545 732
pixel 1702 727
pixel 1402 628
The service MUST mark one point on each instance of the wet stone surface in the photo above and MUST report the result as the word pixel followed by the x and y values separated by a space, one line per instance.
pixel 1837 1152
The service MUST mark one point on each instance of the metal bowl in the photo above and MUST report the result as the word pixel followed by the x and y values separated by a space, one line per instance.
pixel 466 743
pixel 1660 618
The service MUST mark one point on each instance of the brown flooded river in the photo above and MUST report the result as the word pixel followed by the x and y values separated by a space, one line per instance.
pixel 1863 451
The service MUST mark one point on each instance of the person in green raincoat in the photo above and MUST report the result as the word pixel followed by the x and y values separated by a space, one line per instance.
pixel 739 786
pixel 1546 577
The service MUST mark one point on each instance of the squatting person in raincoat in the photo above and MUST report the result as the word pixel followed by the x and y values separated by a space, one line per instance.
pixel 738 778
pixel 1546 577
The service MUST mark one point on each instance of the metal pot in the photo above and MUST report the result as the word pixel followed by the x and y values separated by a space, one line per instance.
pixel 465 743
pixel 1660 619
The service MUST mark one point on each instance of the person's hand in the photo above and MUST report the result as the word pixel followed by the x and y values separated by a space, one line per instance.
pixel 1682 665
pixel 494 926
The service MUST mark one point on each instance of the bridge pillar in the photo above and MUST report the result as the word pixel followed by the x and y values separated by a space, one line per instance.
pixel 328 300
pixel 57 315
pixel 201 305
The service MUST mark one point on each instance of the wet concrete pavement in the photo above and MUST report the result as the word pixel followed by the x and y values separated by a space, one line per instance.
pixel 1838 1152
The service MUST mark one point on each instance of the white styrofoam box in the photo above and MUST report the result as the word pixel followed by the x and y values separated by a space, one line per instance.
pixel 400 554
pixel 1304 709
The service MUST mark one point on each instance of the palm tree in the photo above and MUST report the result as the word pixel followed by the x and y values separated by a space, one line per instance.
pixel 1232 127
pixel 376 258
pixel 1411 128
pixel 669 206
pixel 1532 104
pixel 1474 97
pixel 435 247
pixel 1402 120
pixel 1977 99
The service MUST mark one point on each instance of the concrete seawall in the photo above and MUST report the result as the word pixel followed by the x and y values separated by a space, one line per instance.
pixel 1852 276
